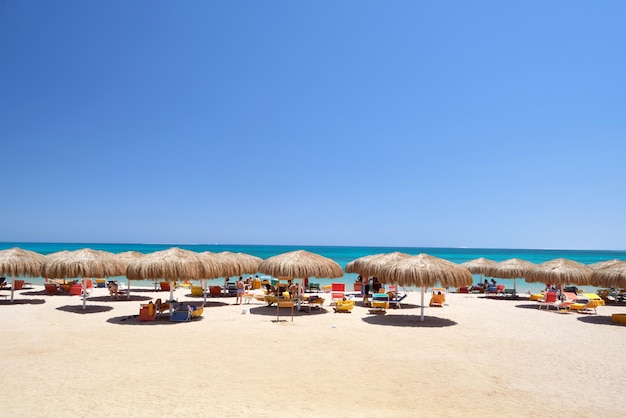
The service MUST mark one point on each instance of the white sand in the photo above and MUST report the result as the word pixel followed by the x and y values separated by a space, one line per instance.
pixel 474 357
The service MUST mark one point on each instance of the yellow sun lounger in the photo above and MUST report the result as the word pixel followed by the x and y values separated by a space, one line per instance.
pixel 344 305
pixel 593 301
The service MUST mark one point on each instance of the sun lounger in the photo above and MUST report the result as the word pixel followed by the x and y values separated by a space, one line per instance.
pixel 344 305
pixel 549 301
pixel 379 302
pixel 52 288
pixel 587 302
pixel 395 297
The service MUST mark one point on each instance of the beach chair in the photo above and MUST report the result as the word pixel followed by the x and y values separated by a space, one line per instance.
pixel 197 291
pixel 344 305
pixel 165 286
pixel 196 311
pixel 587 302
pixel 550 300
pixel 314 287
pixel 161 307
pixel 147 312
pixel 76 290
pixel 337 291
pixel 88 286
pixel 52 289
pixel 395 297
pixel 437 300
pixel 284 304
pixel 379 302
pixel 492 289
pixel 182 313
pixel 100 283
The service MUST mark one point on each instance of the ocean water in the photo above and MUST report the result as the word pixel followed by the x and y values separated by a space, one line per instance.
pixel 343 255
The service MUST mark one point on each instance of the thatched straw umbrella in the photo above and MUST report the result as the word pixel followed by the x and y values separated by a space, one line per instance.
pixel 512 268
pixel 560 271
pixel 479 266
pixel 602 264
pixel 369 265
pixel 613 276
pixel 172 265
pixel 301 264
pixel 219 267
pixel 425 271
pixel 17 262
pixel 83 263
pixel 236 264
pixel 127 257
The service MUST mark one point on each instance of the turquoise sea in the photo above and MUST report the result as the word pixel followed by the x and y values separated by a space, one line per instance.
pixel 344 255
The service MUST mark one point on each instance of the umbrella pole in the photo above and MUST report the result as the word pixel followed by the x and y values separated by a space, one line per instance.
pixel 422 305
pixel 128 290
pixel 12 287
pixel 84 294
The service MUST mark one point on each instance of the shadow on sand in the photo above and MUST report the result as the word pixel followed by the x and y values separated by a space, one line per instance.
pixel 89 309
pixel 409 321
pixel 121 298
pixel 134 320
pixel 22 302
pixel 599 320
pixel 284 312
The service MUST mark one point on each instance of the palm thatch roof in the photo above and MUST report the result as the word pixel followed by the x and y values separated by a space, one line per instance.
pixel 424 270
pixel 611 276
pixel 560 271
pixel 509 269
pixel 16 262
pixel 479 265
pixel 301 264
pixel 236 264
pixel 128 256
pixel 602 264
pixel 82 263
pixel 369 265
pixel 172 264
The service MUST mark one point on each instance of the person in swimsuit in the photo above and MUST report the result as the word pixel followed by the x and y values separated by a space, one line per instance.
pixel 240 288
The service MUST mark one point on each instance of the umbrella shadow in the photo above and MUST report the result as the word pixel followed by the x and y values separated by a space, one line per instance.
pixel 528 306
pixel 145 290
pixel 121 298
pixel 599 320
pixel 212 304
pixel 134 320
pixel 285 312
pixel 22 302
pixel 409 321
pixel 35 293
pixel 89 309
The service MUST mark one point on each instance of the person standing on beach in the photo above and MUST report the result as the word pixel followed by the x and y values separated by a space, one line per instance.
pixel 240 288
pixel 365 289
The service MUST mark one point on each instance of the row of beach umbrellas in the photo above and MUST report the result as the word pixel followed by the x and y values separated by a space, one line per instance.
pixel 421 270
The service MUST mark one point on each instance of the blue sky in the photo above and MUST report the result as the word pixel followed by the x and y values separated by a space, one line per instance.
pixel 403 123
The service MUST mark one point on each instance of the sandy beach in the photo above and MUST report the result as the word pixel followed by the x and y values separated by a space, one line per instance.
pixel 473 357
